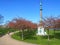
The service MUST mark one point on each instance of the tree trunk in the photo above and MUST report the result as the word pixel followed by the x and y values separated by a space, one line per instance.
pixel 22 34
pixel 48 36
pixel 54 33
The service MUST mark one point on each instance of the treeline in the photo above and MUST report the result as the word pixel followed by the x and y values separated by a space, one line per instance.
pixel 25 27
pixel 52 23
pixel 21 24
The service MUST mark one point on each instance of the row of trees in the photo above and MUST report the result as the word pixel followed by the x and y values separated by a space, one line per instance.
pixel 52 22
pixel 22 25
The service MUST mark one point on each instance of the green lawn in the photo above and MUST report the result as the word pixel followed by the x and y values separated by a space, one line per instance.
pixel 4 31
pixel 41 40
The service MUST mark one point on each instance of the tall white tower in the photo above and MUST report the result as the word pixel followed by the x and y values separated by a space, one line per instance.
pixel 40 26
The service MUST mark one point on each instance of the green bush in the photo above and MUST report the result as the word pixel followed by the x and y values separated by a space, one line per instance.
pixel 29 34
pixel 3 31
pixel 11 30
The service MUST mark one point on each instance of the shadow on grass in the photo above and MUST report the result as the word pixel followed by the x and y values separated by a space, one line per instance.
pixel 50 36
pixel 32 38
pixel 57 36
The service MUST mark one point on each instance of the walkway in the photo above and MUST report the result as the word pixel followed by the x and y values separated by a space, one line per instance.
pixel 7 40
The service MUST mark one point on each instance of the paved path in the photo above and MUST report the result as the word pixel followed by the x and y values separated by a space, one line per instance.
pixel 7 40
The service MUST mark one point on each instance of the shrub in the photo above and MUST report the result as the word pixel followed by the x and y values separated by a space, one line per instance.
pixel 29 34
pixel 3 31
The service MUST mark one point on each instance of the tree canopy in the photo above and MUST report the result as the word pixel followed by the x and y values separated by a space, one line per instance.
pixel 20 23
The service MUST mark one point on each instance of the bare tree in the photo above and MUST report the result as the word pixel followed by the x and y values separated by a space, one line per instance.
pixel 1 19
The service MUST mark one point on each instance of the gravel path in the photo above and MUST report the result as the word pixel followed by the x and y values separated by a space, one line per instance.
pixel 7 40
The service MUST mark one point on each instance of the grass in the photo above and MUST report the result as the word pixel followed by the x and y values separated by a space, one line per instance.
pixel 41 40
pixel 3 31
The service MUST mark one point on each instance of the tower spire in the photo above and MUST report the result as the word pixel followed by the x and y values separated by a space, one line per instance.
pixel 41 11
pixel 41 26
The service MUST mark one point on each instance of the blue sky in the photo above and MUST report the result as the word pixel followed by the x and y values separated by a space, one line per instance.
pixel 28 9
